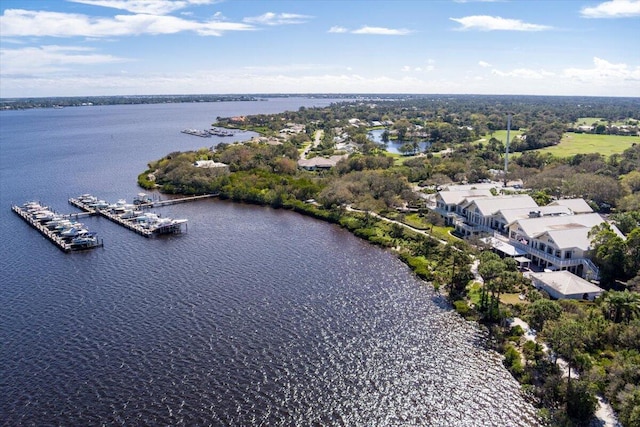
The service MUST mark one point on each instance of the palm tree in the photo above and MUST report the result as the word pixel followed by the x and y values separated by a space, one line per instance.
pixel 619 306
pixel 490 269
pixel 631 305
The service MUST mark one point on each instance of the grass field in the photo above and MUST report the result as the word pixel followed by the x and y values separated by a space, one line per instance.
pixel 588 121
pixel 584 143
pixel 512 299
pixel 501 135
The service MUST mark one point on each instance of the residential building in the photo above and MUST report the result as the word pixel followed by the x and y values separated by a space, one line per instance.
pixel 577 206
pixel 565 285
pixel 554 237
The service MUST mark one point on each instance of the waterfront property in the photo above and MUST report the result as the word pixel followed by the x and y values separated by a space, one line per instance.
pixel 210 164
pixel 565 285
pixel 554 237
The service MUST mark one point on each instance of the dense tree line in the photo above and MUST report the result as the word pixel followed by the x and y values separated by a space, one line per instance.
pixel 77 101
pixel 448 118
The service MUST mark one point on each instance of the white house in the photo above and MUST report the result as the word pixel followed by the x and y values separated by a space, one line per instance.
pixel 577 206
pixel 554 237
pixel 210 164
pixel 558 242
pixel 504 217
pixel 449 203
pixel 478 213
pixel 565 285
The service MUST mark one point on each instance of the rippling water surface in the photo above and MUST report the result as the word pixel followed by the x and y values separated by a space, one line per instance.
pixel 253 317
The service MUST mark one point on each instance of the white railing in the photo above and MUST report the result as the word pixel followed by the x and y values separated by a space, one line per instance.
pixel 591 271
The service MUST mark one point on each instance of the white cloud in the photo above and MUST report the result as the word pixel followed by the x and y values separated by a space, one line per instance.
pixel 271 18
pixel 288 68
pixel 613 9
pixel 428 67
pixel 524 73
pixel 337 29
pixel 219 81
pixel 382 31
pixel 254 80
pixel 17 22
pixel 153 7
pixel 48 59
pixel 603 71
pixel 492 23
pixel 484 64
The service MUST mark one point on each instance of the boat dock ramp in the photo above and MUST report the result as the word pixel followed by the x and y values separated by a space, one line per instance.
pixel 69 235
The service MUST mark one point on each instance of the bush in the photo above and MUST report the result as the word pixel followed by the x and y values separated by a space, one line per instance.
pixel 516 331
pixel 419 265
pixel 512 361
pixel 462 307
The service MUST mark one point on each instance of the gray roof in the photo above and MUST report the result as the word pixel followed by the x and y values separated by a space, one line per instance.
pixel 515 214
pixel 489 206
pixel 504 247
pixel 476 186
pixel 321 162
pixel 573 238
pixel 456 197
pixel 532 227
pixel 566 283
pixel 577 206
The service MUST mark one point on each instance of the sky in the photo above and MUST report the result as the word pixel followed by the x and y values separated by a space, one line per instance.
pixel 155 47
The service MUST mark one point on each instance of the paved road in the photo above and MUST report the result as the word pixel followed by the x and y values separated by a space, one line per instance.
pixel 393 221
pixel 318 138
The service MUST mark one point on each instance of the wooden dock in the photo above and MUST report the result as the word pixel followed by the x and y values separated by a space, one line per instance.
pixel 52 236
pixel 88 211
pixel 158 203
pixel 64 244
pixel 132 225
pixel 126 223
pixel 111 217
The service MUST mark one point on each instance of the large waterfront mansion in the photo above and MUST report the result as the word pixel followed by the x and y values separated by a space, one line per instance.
pixel 552 237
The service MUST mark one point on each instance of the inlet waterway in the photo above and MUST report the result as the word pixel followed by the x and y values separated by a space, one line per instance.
pixel 254 316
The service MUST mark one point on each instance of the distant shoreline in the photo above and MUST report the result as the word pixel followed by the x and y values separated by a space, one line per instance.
pixel 24 103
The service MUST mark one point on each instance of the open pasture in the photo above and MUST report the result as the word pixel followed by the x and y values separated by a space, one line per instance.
pixel 583 143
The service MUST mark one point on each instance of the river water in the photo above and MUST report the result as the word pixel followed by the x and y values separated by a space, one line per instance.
pixel 254 316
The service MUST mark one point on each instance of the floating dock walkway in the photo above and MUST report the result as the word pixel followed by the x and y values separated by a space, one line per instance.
pixel 110 216
pixel 158 203
pixel 141 228
pixel 77 238
pixel 52 236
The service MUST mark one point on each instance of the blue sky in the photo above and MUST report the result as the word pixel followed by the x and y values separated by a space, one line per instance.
pixel 139 47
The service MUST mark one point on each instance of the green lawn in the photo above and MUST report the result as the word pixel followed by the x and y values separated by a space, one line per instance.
pixel 512 299
pixel 501 135
pixel 588 121
pixel 584 143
